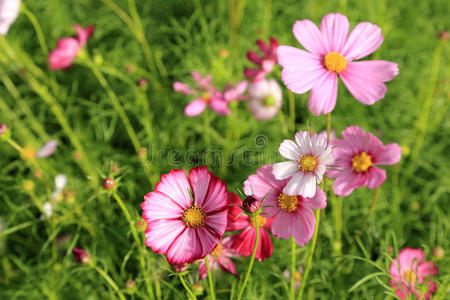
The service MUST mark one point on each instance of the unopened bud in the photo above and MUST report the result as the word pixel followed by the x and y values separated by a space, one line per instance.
pixel 130 69
pixel 141 225
pixel 81 256
pixel 108 183
pixel 390 250
pixel 3 129
pixel 179 268
pixel 251 205
pixel 142 155
pixel 37 174
pixel 197 288
pixel 115 168
pixel 444 35
pixel 131 285
pixel 28 186
pixel 77 156
pixel 438 252
pixel 142 83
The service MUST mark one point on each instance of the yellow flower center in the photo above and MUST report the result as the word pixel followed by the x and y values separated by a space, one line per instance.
pixel 261 221
pixel 307 163
pixel 206 97
pixel 335 62
pixel 409 276
pixel 288 203
pixel 217 251
pixel 194 217
pixel 297 276
pixel 361 162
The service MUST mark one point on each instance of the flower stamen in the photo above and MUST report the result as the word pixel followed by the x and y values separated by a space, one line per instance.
pixel 217 251
pixel 307 163
pixel 409 276
pixel 335 62
pixel 287 203
pixel 361 162
pixel 261 221
pixel 194 217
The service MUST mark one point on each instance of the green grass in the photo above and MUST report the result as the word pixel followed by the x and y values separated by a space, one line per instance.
pixel 412 209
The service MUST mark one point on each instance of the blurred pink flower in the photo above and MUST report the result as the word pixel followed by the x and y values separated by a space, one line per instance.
pixel 47 149
pixel 309 157
pixel 265 63
pixel 232 93
pixel 293 215
pixel 81 256
pixel 265 99
pixel 244 242
pixel 67 48
pixel 220 258
pixel 186 217
pixel 332 52
pixel 332 135
pixel 205 94
pixel 357 154
pixel 412 272
pixel 9 11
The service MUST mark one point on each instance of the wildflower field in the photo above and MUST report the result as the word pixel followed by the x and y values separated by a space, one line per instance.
pixel 224 149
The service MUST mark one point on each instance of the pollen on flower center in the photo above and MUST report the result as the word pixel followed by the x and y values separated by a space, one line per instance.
pixel 194 217
pixel 307 163
pixel 206 97
pixel 361 162
pixel 287 203
pixel 217 251
pixel 409 276
pixel 261 221
pixel 335 62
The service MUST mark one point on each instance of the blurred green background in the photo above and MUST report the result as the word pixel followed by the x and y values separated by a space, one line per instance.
pixel 210 37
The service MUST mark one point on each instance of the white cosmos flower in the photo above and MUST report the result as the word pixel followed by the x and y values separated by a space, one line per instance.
pixel 48 210
pixel 265 99
pixel 9 11
pixel 60 184
pixel 309 157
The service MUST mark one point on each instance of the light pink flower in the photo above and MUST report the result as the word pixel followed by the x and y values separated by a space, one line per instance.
pixel 47 149
pixel 412 272
pixel 309 157
pixel 220 258
pixel 332 52
pixel 9 11
pixel 293 215
pixel 67 48
pixel 243 243
pixel 235 93
pixel 332 135
pixel 265 63
pixel 186 229
pixel 357 155
pixel 205 94
pixel 265 99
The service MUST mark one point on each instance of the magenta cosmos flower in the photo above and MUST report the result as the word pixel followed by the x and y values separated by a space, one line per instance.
pixel 220 258
pixel 265 63
pixel 186 228
pixel 309 157
pixel 244 242
pixel 293 215
pixel 9 11
pixel 67 48
pixel 332 52
pixel 357 155
pixel 412 274
pixel 205 94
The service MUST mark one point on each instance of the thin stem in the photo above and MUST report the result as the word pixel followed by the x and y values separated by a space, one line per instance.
pixel 291 111
pixel 328 126
pixel 252 259
pixel 366 217
pixel 292 283
pixel 138 243
pixel 188 290
pixel 110 282
pixel 210 279
pixel 37 28
pixel 310 255
pixel 283 123
pixel 206 125
pixel 337 218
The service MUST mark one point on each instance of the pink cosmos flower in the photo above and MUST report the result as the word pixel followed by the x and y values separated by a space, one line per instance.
pixel 67 48
pixel 220 258
pixel 244 242
pixel 47 149
pixel 232 93
pixel 184 228
pixel 412 273
pixel 265 63
pixel 309 157
pixel 9 11
pixel 293 215
pixel 357 155
pixel 332 52
pixel 265 99
pixel 205 94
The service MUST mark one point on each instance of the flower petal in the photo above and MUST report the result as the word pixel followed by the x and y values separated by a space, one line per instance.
pixel 322 98
pixel 375 177
pixel 182 88
pixel 389 155
pixel 160 206
pixel 195 108
pixel 284 170
pixel 227 265
pixel 176 186
pixel 160 234
pixel 345 183
pixel 283 225
pixel 307 33
pixel 319 201
pixel 47 150
pixel 186 248
pixel 288 149
pixel 303 184
pixel 303 227
pixel 334 28
pixel 364 39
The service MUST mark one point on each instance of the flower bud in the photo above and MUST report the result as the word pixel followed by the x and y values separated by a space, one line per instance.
pixel 81 256
pixel 251 205
pixel 438 252
pixel 444 35
pixel 142 83
pixel 131 286
pixel 3 129
pixel 179 268
pixel 197 289
pixel 141 225
pixel 115 168
pixel 108 183
pixel 142 155
pixel 28 185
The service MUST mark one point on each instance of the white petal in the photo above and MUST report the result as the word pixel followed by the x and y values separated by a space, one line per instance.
pixel 301 184
pixel 303 141
pixel 284 170
pixel 60 182
pixel 288 149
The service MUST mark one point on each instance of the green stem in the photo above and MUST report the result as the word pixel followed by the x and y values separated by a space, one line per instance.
pixel 292 279
pixel 252 259
pixel 110 282
pixel 310 256
pixel 283 123
pixel 328 126
pixel 291 111
pixel 37 28
pixel 138 243
pixel 188 290
pixel 210 279
pixel 337 218
pixel 117 106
